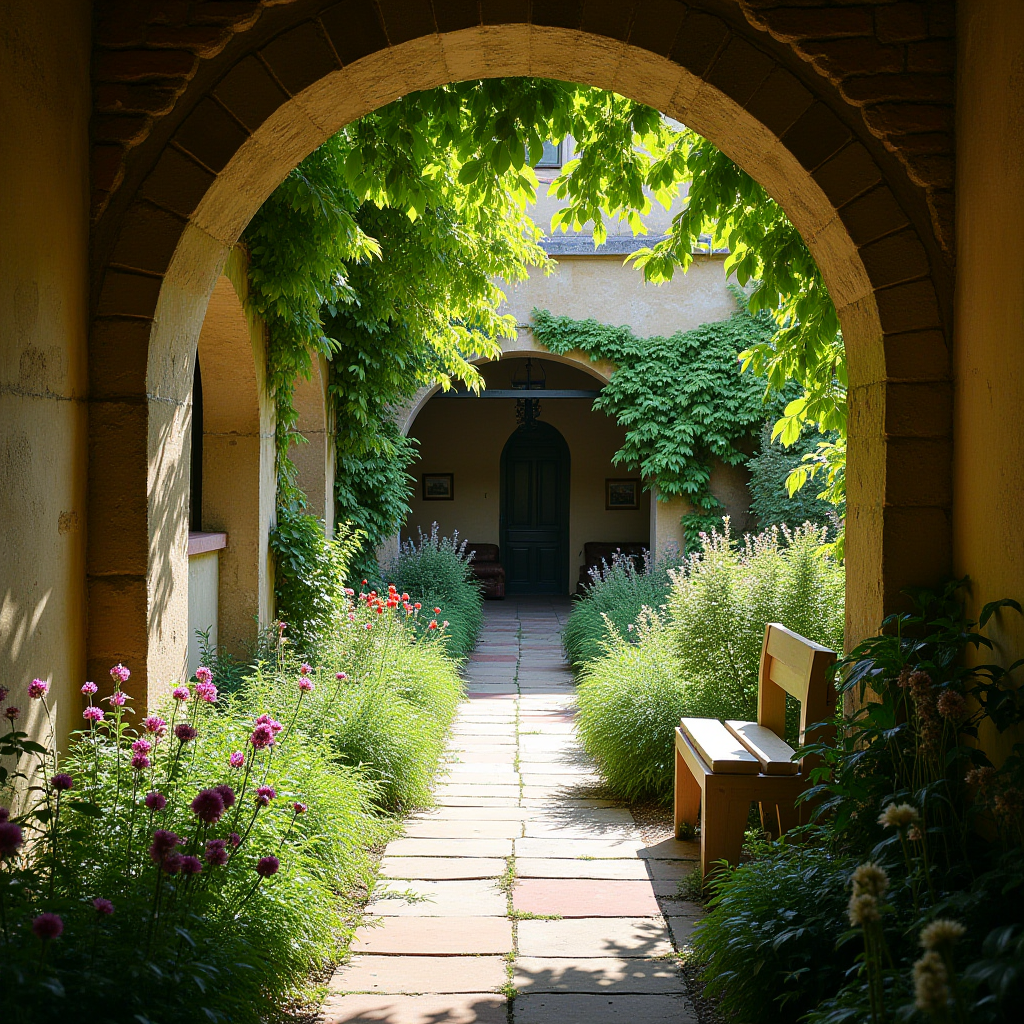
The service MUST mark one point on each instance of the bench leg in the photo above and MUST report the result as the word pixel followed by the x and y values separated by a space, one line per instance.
pixel 687 799
pixel 723 821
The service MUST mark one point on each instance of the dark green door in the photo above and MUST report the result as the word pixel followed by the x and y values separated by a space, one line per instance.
pixel 535 511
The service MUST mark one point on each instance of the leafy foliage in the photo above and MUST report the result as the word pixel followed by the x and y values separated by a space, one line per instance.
pixel 682 400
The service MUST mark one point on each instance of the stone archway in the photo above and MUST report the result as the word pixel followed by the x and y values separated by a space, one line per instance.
pixel 270 97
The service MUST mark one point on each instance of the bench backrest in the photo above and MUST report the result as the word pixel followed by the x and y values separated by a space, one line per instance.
pixel 797 666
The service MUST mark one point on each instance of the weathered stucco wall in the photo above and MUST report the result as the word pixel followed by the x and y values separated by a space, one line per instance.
pixel 315 460
pixel 988 528
pixel 44 232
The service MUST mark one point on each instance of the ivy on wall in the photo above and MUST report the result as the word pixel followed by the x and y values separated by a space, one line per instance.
pixel 683 400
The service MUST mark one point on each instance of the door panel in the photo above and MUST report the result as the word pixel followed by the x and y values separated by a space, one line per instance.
pixel 547 493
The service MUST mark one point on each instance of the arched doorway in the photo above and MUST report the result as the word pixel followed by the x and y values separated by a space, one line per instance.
pixel 534 523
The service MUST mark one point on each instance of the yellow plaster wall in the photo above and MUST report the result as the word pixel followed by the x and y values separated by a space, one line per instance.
pixel 203 603
pixel 44 231
pixel 988 525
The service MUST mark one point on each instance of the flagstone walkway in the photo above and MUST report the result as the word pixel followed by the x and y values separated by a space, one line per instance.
pixel 518 881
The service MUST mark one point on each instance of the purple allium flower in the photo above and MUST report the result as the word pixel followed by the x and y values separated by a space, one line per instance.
pixel 227 794
pixel 203 674
pixel 154 724
pixel 180 693
pixel 140 762
pixel 208 806
pixel 235 839
pixel 264 795
pixel 267 866
pixel 10 839
pixel 47 926
pixel 262 736
pixel 237 759
pixel 142 746
pixel 185 732
pixel 12 713
pixel 156 801
pixel 216 852
pixel 341 676
pixel 275 726
pixel 62 781
pixel 171 864
pixel 87 688
pixel 305 668
pixel 191 865
pixel 103 907
pixel 164 841
pixel 305 685
pixel 93 714
pixel 206 692
pixel 3 693
pixel 299 808
pixel 117 699
pixel 120 673
pixel 38 689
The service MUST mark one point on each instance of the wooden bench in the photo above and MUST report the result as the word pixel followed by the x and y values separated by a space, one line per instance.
pixel 721 767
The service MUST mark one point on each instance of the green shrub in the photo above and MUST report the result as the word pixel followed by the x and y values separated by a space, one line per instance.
pixel 615 597
pixel 436 572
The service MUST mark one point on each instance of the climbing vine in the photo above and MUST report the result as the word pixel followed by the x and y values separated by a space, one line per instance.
pixel 683 400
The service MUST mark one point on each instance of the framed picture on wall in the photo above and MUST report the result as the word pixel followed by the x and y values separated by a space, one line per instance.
pixel 621 495
pixel 438 486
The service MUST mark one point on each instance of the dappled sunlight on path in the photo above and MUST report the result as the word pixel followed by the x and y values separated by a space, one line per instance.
pixel 523 879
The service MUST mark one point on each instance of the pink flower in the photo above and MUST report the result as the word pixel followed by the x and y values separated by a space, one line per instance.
pixel 341 677
pixel 3 693
pixel 142 746
pixel 191 865
pixel 262 736
pixel 13 713
pixel 368 625
pixel 185 732
pixel 444 625
pixel 87 688
pixel 227 794
pixel 208 806
pixel 103 907
pixel 275 726
pixel 305 668
pixel 140 762
pixel 93 714
pixel 216 852
pixel 38 688
pixel 156 801
pixel 299 808
pixel 351 616
pixel 62 782
pixel 235 839
pixel 10 839
pixel 117 698
pixel 206 692
pixel 180 693
pixel 264 795
pixel 237 759
pixel 204 675
pixel 47 926
pixel 305 685
pixel 120 673
pixel 267 866
pixel 171 864
pixel 164 841
pixel 154 724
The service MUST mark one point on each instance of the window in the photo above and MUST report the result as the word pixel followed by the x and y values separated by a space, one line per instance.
pixel 552 155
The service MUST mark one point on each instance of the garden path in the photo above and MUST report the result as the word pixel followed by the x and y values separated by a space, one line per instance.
pixel 521 879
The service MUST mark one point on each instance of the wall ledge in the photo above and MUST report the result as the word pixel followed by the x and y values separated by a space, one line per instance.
pixel 201 542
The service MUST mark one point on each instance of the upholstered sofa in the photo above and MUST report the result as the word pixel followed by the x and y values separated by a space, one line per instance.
pixel 596 553
pixel 487 569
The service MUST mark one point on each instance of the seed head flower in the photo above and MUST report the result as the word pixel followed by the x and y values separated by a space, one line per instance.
pixel 899 816
pixel 208 806
pixel 38 689
pixel 305 685
pixel 191 865
pixel 93 714
pixel 237 759
pixel 142 746
pixel 185 732
pixel 264 795
pixel 13 713
pixel 305 668
pixel 862 909
pixel 299 808
pixel 47 926
pixel 870 878
pixel 87 688
pixel 164 841
pixel 103 907
pixel 216 852
pixel 235 839
pixel 180 693
pixel 341 676
pixel 62 782
pixel 204 675
pixel 941 933
pixel 267 866
pixel 915 835
pixel 155 801
pixel 952 706
pixel 117 699
pixel 120 673
pixel 10 839
pixel 931 983
pixel 227 794
pixel 155 724
pixel 140 762
pixel 206 692
pixel 171 864
pixel 262 736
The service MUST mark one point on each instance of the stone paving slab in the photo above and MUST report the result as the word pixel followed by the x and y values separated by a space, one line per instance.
pixel 398 975
pixel 603 1009
pixel 583 830
pixel 578 848
pixel 482 1008
pixel 466 829
pixel 437 868
pixel 479 790
pixel 414 936
pixel 450 848
pixel 476 898
pixel 669 870
pixel 682 930
pixel 672 849
pixel 457 800
pixel 596 974
pixel 550 867
pixel 473 814
pixel 595 936
pixel 586 897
